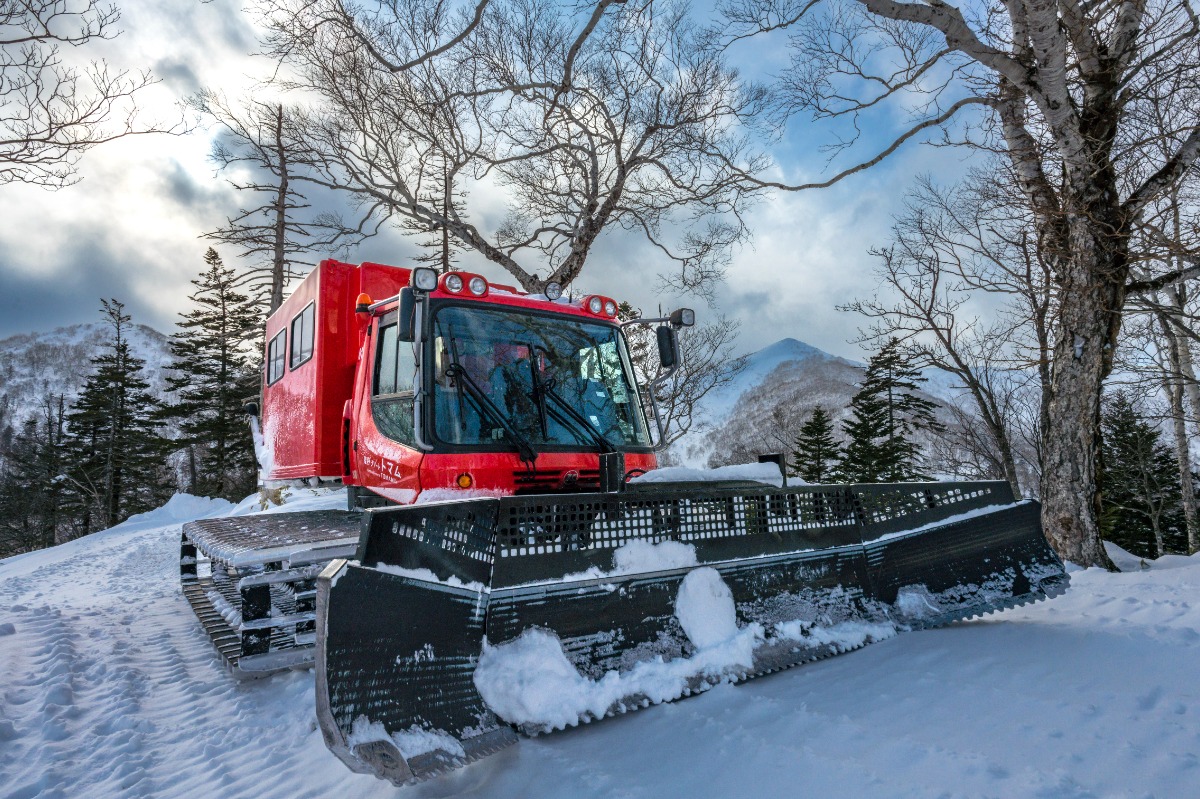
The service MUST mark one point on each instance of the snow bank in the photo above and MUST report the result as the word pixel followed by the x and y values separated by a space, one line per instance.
pixel 111 689
pixel 759 472
pixel 179 508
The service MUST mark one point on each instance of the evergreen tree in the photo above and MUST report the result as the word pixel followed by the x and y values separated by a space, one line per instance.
pixel 117 453
pixel 885 415
pixel 213 355
pixel 1141 498
pixel 30 490
pixel 817 451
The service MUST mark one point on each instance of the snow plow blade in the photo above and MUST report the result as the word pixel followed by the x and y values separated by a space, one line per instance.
pixel 462 622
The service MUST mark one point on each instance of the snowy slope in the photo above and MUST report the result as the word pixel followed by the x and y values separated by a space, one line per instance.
pixel 34 366
pixel 111 690
pixel 720 402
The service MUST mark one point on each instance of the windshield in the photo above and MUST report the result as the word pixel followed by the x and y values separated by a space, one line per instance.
pixel 555 381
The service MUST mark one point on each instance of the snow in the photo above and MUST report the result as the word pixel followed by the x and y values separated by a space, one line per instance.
pixel 759 472
pixel 110 689
pixel 705 609
pixel 429 577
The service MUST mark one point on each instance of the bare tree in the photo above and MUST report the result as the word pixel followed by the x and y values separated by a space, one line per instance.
pixel 266 159
pixel 52 111
pixel 949 247
pixel 707 364
pixel 605 116
pixel 1058 85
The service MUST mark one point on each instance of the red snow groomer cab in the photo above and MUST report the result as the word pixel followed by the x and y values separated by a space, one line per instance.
pixel 401 382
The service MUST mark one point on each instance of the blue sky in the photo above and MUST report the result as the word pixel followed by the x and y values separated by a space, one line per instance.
pixel 130 229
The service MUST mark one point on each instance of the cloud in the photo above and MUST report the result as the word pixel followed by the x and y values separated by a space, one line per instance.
pixel 131 229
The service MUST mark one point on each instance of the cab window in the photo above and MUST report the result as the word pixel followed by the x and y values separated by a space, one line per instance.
pixel 392 392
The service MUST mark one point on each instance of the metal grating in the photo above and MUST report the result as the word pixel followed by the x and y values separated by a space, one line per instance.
pixel 527 526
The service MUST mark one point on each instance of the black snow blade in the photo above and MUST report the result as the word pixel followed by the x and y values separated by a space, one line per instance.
pixel 464 621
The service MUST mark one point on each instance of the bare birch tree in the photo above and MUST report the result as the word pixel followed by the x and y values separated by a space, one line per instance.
pixel 1057 85
pixel 51 110
pixel 266 160
pixel 575 120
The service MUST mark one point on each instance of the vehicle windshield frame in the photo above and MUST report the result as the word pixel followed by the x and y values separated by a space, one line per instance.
pixel 599 331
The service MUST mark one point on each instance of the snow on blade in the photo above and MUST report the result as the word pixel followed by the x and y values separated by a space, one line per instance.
pixel 411 742
pixel 636 557
pixel 705 609
pixel 530 681
pixel 758 472
pixel 429 577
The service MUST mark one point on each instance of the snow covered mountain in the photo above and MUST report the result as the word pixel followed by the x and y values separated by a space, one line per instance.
pixel 111 689
pixel 36 366
pixel 762 410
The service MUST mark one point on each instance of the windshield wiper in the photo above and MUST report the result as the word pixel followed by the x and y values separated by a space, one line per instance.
pixel 598 438
pixel 488 408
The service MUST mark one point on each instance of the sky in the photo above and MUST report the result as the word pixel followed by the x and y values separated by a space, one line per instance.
pixel 131 228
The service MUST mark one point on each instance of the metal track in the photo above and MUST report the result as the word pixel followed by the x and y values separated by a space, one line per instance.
pixel 251 582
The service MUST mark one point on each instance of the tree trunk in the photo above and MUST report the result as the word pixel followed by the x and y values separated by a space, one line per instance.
pixel 1092 273
pixel 1173 383
pixel 279 256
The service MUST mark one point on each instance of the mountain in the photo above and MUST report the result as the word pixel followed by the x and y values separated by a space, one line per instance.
pixel 37 366
pixel 762 409
pixel 111 689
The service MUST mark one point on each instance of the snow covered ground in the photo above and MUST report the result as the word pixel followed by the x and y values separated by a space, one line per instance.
pixel 108 688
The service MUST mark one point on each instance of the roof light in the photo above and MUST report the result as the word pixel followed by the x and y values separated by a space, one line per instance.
pixel 478 286
pixel 553 291
pixel 595 305
pixel 452 284
pixel 683 317
pixel 610 308
pixel 423 279
pixel 363 303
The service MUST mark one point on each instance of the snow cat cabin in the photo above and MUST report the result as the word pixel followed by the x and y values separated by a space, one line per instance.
pixel 326 419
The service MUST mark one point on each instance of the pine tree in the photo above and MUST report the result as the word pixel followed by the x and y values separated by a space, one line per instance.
pixel 817 451
pixel 30 512
pixel 117 453
pixel 213 373
pixel 1141 498
pixel 885 415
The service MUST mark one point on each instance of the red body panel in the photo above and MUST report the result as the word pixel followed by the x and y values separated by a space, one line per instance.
pixel 317 417
pixel 303 411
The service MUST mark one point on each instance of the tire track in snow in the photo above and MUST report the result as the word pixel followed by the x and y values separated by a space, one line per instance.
pixel 113 690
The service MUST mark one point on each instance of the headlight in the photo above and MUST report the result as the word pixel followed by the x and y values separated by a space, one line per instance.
pixel 553 291
pixel 595 305
pixel 478 286
pixel 683 317
pixel 453 283
pixel 610 308
pixel 423 279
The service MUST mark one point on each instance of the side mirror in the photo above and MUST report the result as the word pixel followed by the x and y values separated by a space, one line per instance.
pixel 668 347
pixel 407 312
